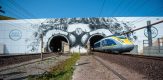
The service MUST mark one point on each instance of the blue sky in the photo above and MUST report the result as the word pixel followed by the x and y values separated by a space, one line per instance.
pixel 81 8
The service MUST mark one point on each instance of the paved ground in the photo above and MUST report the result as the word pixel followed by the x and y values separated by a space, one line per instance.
pixel 21 71
pixel 90 69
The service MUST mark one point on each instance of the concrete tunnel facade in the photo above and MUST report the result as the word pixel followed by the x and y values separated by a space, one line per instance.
pixel 77 32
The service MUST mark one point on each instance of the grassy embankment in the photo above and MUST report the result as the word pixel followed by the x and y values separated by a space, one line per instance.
pixel 63 71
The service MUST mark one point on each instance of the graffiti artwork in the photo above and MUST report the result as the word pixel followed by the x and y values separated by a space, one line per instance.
pixel 77 31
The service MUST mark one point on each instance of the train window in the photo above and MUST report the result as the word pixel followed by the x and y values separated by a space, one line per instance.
pixel 103 43
pixel 97 45
pixel 110 42
pixel 121 37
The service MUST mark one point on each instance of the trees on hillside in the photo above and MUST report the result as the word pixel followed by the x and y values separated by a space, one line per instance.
pixel 1 11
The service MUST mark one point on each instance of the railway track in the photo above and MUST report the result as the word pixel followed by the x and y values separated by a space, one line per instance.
pixel 6 60
pixel 137 56
pixel 109 68
pixel 150 66
pixel 143 56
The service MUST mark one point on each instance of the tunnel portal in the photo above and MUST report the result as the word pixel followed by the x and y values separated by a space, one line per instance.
pixel 94 39
pixel 56 43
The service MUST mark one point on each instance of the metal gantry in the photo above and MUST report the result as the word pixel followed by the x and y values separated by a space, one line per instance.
pixel 142 27
pixel 149 31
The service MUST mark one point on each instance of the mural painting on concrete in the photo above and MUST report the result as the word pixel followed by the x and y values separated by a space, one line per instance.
pixel 24 36
pixel 75 31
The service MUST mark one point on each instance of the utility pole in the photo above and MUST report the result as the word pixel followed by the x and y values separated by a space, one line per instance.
pixel 42 46
pixel 149 33
pixel 89 47
pixel 79 49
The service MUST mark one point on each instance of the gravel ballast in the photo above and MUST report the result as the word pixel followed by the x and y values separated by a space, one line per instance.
pixel 152 69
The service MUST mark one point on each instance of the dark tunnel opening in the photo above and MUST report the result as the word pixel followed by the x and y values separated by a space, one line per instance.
pixel 56 43
pixel 94 39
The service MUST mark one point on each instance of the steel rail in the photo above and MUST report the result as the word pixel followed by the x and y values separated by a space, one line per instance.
pixel 114 72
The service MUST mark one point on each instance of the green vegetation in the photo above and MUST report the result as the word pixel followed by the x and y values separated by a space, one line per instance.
pixel 63 71
pixel 6 18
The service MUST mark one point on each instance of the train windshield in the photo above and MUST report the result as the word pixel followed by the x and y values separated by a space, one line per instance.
pixel 109 42
pixel 121 37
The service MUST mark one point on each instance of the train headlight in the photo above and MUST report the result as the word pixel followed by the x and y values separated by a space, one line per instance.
pixel 121 41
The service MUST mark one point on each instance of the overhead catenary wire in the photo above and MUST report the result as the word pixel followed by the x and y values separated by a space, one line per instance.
pixel 125 9
pixel 24 10
pixel 161 21
pixel 101 9
pixel 128 8
pixel 9 23
pixel 139 19
pixel 136 7
pixel 20 26
pixel 157 10
pixel 21 8
pixel 145 18
pixel 15 13
pixel 116 8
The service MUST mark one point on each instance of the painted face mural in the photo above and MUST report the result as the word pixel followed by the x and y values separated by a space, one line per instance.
pixel 77 31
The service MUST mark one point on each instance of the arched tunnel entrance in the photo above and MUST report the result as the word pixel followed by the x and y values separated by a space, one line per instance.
pixel 56 43
pixel 94 39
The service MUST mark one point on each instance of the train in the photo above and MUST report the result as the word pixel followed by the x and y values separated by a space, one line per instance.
pixel 114 44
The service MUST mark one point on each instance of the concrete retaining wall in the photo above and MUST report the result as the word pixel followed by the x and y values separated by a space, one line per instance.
pixel 153 51
pixel 135 50
pixel 1 48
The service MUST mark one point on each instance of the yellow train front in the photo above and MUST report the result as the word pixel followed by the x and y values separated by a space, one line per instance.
pixel 115 44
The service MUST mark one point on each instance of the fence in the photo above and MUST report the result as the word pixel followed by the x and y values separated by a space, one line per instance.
pixel 155 50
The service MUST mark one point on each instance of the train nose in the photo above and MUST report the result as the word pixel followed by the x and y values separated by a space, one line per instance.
pixel 128 47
